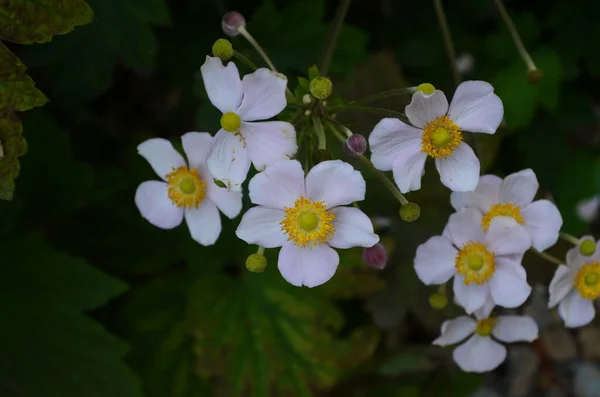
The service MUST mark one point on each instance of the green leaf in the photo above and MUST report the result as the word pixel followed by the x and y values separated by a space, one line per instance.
pixel 13 146
pixel 27 21
pixel 313 72
pixel 406 363
pixel 50 348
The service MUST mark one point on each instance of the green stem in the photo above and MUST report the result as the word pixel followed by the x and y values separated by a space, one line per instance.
pixel 515 35
pixel 242 58
pixel 385 94
pixel 334 32
pixel 320 132
pixel 571 239
pixel 384 112
pixel 448 43
pixel 548 257
pixel 261 250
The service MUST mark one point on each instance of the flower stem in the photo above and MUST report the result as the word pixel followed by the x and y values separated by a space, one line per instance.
pixel 515 35
pixel 334 32
pixel 384 112
pixel 571 239
pixel 320 132
pixel 548 257
pixel 386 94
pixel 261 250
pixel 448 43
pixel 243 59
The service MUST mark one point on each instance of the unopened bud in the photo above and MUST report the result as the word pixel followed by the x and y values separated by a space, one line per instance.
pixel 426 88
pixel 306 99
pixel 375 256
pixel 410 212
pixel 534 76
pixel 321 87
pixel 355 145
pixel 321 155
pixel 587 247
pixel 231 22
pixel 222 49
pixel 256 263
pixel 438 300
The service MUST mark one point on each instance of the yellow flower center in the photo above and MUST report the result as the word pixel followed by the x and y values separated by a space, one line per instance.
pixel 231 122
pixel 186 188
pixel 485 327
pixel 587 281
pixel 475 262
pixel 440 137
pixel 308 223
pixel 505 209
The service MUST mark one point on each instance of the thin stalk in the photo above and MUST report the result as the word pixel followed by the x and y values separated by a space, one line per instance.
pixel 515 35
pixel 334 32
pixel 384 112
pixel 261 250
pixel 385 94
pixel 448 43
pixel 571 239
pixel 320 132
pixel 242 58
pixel 548 257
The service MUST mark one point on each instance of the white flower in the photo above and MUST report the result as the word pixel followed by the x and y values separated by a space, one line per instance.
pixel 481 353
pixel 188 191
pixel 587 210
pixel 575 287
pixel 259 96
pixel 403 149
pixel 513 197
pixel 483 264
pixel 305 217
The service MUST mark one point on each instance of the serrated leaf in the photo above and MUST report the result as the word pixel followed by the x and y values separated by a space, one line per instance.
pixel 27 22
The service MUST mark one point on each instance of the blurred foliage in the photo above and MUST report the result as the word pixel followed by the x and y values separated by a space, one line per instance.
pixel 80 265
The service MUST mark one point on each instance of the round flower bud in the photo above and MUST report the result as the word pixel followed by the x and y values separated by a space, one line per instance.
pixel 534 76
pixel 256 263
pixel 222 49
pixel 306 99
pixel 321 155
pixel 587 247
pixel 355 145
pixel 375 256
pixel 438 300
pixel 231 22
pixel 410 212
pixel 426 88
pixel 321 87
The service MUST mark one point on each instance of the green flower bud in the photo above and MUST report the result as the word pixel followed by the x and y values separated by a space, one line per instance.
pixel 426 88
pixel 306 99
pixel 222 49
pixel 410 212
pixel 438 300
pixel 256 263
pixel 587 247
pixel 321 87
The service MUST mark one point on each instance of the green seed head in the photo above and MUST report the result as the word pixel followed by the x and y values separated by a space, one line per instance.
pixel 222 49
pixel 410 212
pixel 256 263
pixel 587 247
pixel 321 87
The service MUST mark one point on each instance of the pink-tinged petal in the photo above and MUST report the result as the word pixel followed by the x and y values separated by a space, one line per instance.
pixel 336 183
pixel 425 108
pixel 152 199
pixel 465 226
pixel 506 237
pixel 410 166
pixel 264 95
pixel 470 296
pixel 519 188
pixel 543 223
pixel 508 287
pixel 476 108
pixel 161 155
pixel 279 185
pixel 512 329
pixel 204 222
pixel 228 159
pixel 460 170
pixel 434 262
pixel 228 202
pixel 576 311
pixel 561 285
pixel 308 266
pixel 269 141
pixel 195 146
pixel 483 197
pixel 262 226
pixel 352 229
pixel 454 331
pixel 222 84
pixel 388 141
pixel 484 311
pixel 479 354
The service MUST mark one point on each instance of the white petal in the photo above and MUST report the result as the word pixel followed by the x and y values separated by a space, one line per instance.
pixel 204 222
pixel 307 266
pixel 262 226
pixel 543 222
pixel 279 185
pixel 264 95
pixel 506 237
pixel 387 142
pixel 434 262
pixel 335 183
pixel 460 170
pixel 470 296
pixel 479 354
pixel 222 84
pixel 453 331
pixel 576 311
pixel 228 159
pixel 152 199
pixel 269 141
pixel 508 287
pixel 476 108
pixel 515 329
pixel 161 155
pixel 229 202
pixel 484 311
pixel 352 229
pixel 195 146
pixel 465 226
pixel 519 188
pixel 561 285
pixel 425 108
pixel 587 209
pixel 410 166
pixel 574 258
pixel 483 197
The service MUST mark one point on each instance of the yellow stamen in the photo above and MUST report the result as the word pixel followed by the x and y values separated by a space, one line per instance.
pixel 505 209
pixel 485 327
pixel 185 187
pixel 441 137
pixel 231 122
pixel 588 280
pixel 308 223
pixel 475 262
